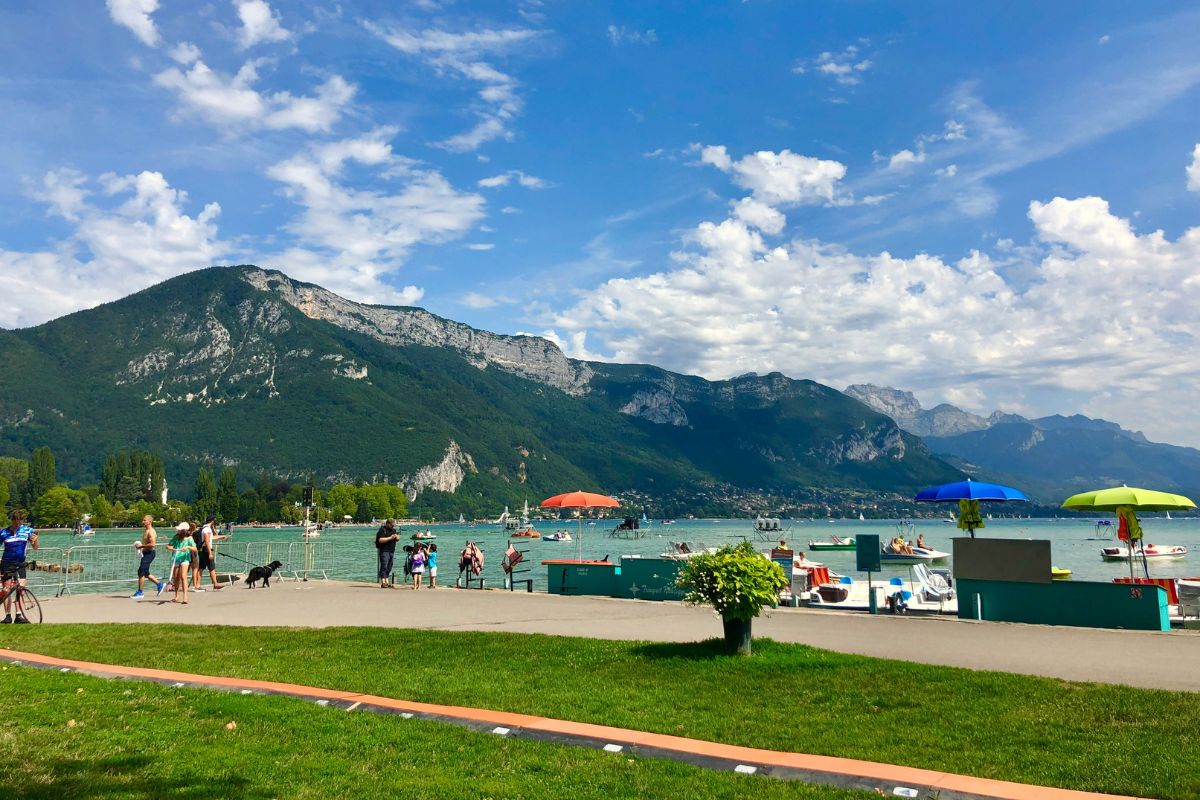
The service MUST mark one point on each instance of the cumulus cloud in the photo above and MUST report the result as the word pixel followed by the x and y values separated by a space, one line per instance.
pixel 731 303
pixel 465 55
pixel 136 15
pixel 477 300
pixel 505 178
pixel 259 24
pixel 129 232
pixel 845 68
pixel 906 158
pixel 230 101
pixel 1193 171
pixel 351 238
pixel 783 178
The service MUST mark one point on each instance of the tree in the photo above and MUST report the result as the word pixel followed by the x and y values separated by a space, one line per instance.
pixel 737 581
pixel 363 512
pixel 342 500
pixel 206 494
pixel 4 499
pixel 16 470
pixel 101 513
pixel 41 472
pixel 128 491
pixel 227 495
pixel 55 509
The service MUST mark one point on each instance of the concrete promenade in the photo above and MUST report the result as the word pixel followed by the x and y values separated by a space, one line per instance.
pixel 1152 660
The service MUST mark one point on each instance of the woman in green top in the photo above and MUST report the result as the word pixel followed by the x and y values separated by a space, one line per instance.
pixel 183 547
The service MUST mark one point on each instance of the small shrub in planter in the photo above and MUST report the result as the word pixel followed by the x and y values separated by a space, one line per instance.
pixel 737 581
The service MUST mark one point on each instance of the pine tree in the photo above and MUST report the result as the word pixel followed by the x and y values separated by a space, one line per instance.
pixel 227 495
pixel 206 494
pixel 41 473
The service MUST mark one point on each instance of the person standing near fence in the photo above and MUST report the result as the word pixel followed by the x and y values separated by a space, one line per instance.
pixel 206 544
pixel 182 547
pixel 148 548
pixel 431 563
pixel 385 543
pixel 12 564
pixel 418 565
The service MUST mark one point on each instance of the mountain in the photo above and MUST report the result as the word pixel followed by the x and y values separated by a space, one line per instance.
pixel 1051 456
pixel 245 366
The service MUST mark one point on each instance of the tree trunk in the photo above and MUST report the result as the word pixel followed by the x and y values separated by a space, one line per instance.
pixel 737 636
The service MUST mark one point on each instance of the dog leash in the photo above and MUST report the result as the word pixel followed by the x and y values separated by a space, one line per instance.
pixel 244 561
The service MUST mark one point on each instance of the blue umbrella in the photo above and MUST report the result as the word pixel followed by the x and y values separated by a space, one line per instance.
pixel 968 494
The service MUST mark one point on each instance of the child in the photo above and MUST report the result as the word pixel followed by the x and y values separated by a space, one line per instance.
pixel 431 562
pixel 183 547
pixel 418 565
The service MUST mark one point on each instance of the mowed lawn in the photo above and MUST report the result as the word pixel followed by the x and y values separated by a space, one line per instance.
pixel 785 697
pixel 73 736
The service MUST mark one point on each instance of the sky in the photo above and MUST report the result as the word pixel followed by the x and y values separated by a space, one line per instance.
pixel 995 205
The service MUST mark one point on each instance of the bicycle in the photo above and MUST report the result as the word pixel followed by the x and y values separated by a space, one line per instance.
pixel 24 599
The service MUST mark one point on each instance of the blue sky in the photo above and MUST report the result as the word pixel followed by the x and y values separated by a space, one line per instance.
pixel 964 200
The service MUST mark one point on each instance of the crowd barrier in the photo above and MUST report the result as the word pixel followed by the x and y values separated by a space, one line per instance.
pixel 83 568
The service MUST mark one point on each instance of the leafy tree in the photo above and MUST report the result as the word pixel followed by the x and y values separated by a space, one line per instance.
pixel 128 490
pixel 101 512
pixel 206 494
pixel 158 480
pixel 16 472
pixel 4 499
pixel 227 495
pixel 55 508
pixel 363 511
pixel 41 472
pixel 737 581
pixel 342 500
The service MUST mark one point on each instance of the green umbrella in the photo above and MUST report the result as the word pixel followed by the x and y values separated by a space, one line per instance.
pixel 1124 501
pixel 1140 499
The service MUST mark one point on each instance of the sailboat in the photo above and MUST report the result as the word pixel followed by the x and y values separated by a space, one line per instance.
pixel 461 520
pixel 861 518
pixel 1168 515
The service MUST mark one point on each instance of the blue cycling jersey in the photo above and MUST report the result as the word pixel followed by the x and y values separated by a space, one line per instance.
pixel 15 542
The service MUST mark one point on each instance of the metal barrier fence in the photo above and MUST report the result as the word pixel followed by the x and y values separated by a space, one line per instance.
pixel 62 570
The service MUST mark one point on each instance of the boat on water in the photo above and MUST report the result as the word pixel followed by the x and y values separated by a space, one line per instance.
pixel 835 543
pixel 682 551
pixel 1123 552
pixel 557 536
pixel 424 536
pixel 1059 573
pixel 861 518
pixel 462 520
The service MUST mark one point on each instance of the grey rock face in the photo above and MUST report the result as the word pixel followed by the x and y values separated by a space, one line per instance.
pixel 903 407
pixel 656 406
pixel 881 441
pixel 527 356
pixel 445 476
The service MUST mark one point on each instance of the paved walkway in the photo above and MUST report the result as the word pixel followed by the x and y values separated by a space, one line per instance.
pixel 886 779
pixel 1136 658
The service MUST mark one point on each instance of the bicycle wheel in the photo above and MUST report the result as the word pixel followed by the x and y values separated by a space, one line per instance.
pixel 28 605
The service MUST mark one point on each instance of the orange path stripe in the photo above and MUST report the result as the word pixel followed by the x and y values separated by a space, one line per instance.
pixel 891 773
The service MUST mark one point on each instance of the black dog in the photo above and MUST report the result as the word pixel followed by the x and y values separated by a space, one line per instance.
pixel 262 574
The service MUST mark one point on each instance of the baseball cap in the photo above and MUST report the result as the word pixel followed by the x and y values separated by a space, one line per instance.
pixel 183 526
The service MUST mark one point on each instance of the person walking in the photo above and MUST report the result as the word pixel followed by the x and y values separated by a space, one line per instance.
pixel 12 564
pixel 418 565
pixel 208 553
pixel 194 567
pixel 385 543
pixel 182 547
pixel 431 564
pixel 148 549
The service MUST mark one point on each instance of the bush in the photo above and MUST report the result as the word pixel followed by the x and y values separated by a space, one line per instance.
pixel 737 581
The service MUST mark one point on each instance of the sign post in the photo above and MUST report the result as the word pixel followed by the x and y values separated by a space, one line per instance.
pixel 866 551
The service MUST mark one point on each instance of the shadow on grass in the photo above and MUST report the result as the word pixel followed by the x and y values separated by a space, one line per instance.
pixel 706 650
pixel 125 776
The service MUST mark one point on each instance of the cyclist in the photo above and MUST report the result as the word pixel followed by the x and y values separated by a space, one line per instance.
pixel 12 564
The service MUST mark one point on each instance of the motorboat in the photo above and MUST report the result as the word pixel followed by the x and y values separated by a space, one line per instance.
pixel 681 551
pixel 1059 573
pixel 557 536
pixel 1122 552
pixel 424 535
pixel 919 555
pixel 835 543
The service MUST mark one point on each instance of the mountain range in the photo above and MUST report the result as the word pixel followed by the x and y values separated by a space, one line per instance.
pixel 1050 456
pixel 245 366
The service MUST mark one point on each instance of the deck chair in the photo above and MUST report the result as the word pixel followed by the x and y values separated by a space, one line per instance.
pixel 934 588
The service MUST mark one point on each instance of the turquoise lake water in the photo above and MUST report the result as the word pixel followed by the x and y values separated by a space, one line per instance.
pixel 1071 542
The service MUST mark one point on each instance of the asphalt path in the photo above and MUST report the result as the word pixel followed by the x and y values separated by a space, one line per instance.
pixel 1135 658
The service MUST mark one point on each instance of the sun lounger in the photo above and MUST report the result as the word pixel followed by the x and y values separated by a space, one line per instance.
pixel 1189 597
pixel 934 588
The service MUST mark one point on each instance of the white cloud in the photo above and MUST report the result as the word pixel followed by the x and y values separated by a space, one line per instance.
pixel 813 309
pixel 948 171
pixel 184 53
pixel 511 210
pixel 481 247
pixel 759 215
pixel 135 235
pixel 1193 171
pixel 505 178
pixel 352 237
pixel 906 158
pixel 463 55
pixel 228 102
pixel 783 178
pixel 477 300
pixel 1105 39
pixel 845 68
pixel 136 16
pixel 259 24
pixel 619 35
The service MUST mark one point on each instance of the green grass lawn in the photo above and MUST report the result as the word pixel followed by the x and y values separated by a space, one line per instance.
pixel 139 740
pixel 786 697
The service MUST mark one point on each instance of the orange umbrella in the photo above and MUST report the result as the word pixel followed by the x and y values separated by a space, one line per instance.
pixel 580 500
